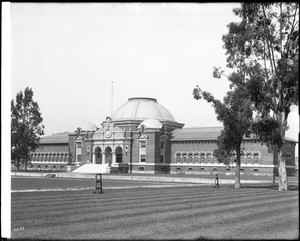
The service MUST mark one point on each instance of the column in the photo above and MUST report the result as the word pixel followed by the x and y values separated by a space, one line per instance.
pixel 94 157
pixel 113 158
pixel 103 158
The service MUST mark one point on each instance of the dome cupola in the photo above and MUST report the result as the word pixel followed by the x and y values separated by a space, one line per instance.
pixel 141 108
pixel 151 124
pixel 138 109
pixel 87 126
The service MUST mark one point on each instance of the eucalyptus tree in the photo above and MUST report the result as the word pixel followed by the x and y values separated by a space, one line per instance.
pixel 265 46
pixel 235 112
pixel 26 127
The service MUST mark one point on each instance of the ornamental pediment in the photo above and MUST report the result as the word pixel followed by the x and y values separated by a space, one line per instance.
pixel 109 131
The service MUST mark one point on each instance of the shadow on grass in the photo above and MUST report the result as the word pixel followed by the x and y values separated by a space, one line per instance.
pixel 271 186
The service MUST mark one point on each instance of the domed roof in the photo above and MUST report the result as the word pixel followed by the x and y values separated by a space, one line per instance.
pixel 141 108
pixel 87 126
pixel 151 124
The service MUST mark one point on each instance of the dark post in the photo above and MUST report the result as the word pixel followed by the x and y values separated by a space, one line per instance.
pixel 98 183
pixel 217 181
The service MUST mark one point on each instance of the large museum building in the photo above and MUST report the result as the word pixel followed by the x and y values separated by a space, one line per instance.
pixel 142 136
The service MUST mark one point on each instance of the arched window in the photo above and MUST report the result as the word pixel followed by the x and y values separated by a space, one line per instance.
pixel 249 158
pixel 202 158
pixel 53 167
pixel 190 170
pixel 184 158
pixel 178 158
pixel 119 154
pixel 191 158
pixel 243 159
pixel 141 169
pixel 209 158
pixel 197 158
pixel 201 169
pixel 178 170
pixel 99 154
pixel 256 158
pixel 215 160
pixel 214 170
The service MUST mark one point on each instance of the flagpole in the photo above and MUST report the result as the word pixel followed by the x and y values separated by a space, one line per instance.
pixel 112 98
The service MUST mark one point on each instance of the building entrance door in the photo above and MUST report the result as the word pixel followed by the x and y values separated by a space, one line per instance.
pixel 98 155
pixel 108 155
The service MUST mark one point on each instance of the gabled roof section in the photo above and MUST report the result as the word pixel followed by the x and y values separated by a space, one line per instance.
pixel 60 138
pixel 290 139
pixel 203 133
pixel 197 133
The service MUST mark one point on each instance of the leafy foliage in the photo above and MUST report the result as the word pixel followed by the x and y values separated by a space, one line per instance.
pixel 264 46
pixel 235 112
pixel 269 130
pixel 26 126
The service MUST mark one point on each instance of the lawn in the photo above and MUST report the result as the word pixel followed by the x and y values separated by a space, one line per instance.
pixel 174 212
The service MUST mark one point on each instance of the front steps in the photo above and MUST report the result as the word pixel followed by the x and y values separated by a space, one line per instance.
pixel 93 169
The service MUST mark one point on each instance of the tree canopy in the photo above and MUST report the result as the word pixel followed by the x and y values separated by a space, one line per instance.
pixel 26 126
pixel 235 112
pixel 264 46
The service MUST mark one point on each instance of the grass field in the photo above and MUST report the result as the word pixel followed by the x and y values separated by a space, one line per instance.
pixel 174 212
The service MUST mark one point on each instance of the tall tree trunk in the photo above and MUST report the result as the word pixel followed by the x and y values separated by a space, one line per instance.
pixel 282 174
pixel 18 164
pixel 238 168
pixel 25 165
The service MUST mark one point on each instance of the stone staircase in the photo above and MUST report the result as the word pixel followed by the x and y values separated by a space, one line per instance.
pixel 93 169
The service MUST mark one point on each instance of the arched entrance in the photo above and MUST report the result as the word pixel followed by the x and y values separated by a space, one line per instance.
pixel 108 155
pixel 98 155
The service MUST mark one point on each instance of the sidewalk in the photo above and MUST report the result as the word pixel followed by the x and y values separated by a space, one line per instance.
pixel 137 177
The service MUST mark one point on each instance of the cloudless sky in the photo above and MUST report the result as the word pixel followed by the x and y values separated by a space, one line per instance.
pixel 69 54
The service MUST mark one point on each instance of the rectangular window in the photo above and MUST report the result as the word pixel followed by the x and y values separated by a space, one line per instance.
pixel 161 158
pixel 162 145
pixel 143 158
pixel 143 144
pixel 119 158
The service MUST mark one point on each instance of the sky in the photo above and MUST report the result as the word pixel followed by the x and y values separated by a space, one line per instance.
pixel 83 60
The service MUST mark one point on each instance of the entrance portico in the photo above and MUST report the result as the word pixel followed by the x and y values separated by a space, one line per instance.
pixel 108 156
pixel 108 143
